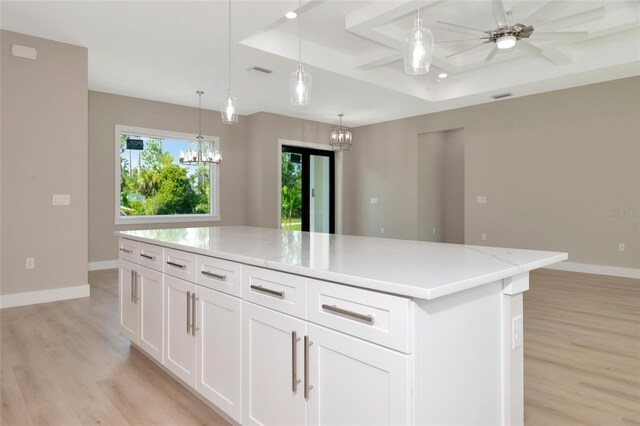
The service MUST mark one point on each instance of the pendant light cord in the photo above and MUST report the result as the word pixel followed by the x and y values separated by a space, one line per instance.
pixel 229 48
pixel 299 38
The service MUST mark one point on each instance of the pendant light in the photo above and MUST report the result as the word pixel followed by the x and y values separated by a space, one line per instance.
pixel 340 137
pixel 229 111
pixel 202 154
pixel 417 48
pixel 300 80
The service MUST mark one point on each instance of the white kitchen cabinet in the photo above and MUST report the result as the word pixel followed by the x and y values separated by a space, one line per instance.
pixel 180 336
pixel 355 382
pixel 218 350
pixel 150 302
pixel 128 300
pixel 272 365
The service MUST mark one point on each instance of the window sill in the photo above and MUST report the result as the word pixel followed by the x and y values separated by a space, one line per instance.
pixel 135 220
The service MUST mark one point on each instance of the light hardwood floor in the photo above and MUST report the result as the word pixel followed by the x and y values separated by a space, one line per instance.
pixel 65 363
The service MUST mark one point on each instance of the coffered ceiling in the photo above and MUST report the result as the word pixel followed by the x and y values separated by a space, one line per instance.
pixel 167 50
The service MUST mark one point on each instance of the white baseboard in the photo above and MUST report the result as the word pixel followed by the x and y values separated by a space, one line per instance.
pixel 587 268
pixel 103 264
pixel 44 296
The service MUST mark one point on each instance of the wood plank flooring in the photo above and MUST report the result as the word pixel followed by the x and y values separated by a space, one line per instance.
pixel 65 363
pixel 582 350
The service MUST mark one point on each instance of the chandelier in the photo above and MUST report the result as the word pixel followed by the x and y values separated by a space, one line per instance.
pixel 203 154
pixel 340 137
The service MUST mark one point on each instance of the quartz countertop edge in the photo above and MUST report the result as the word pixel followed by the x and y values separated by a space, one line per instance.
pixel 410 290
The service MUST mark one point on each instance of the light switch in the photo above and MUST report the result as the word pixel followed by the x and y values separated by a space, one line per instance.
pixel 30 263
pixel 482 199
pixel 374 201
pixel 61 199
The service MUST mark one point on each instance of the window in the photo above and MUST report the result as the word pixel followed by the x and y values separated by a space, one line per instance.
pixel 151 184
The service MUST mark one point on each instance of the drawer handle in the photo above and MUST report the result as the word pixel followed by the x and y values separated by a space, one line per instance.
pixel 349 314
pixel 126 250
pixel 268 291
pixel 177 265
pixel 212 275
pixel 146 256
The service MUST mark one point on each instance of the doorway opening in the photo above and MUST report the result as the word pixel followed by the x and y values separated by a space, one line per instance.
pixel 441 186
pixel 307 189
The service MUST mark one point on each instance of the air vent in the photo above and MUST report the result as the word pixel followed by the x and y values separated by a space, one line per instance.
pixel 260 70
pixel 502 95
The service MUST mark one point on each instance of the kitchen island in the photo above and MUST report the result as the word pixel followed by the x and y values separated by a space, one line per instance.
pixel 288 327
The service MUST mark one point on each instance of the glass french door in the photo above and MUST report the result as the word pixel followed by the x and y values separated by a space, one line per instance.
pixel 307 189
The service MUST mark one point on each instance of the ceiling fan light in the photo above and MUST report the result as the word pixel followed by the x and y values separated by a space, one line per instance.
pixel 417 48
pixel 506 42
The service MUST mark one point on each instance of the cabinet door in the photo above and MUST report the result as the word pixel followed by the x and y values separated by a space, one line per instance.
pixel 219 335
pixel 150 295
pixel 180 341
pixel 272 361
pixel 356 382
pixel 128 303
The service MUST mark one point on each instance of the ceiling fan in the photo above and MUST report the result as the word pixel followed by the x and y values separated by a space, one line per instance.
pixel 507 36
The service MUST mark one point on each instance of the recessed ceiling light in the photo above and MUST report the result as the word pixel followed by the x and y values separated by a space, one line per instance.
pixel 443 75
pixel 438 80
pixel 291 15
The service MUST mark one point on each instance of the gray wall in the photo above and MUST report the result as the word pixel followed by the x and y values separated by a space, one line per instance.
pixel 43 152
pixel 551 165
pixel 105 111
pixel 440 163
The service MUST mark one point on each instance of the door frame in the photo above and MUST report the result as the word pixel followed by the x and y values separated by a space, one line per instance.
pixel 338 178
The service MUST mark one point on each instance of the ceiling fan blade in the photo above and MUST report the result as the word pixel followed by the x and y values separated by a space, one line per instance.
pixel 560 36
pixel 492 53
pixel 551 53
pixel 572 20
pixel 461 27
pixel 463 39
pixel 466 50
pixel 545 12
pixel 498 13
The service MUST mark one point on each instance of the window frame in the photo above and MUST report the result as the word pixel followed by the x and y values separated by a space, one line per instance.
pixel 214 176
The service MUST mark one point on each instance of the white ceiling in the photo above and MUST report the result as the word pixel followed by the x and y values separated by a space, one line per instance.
pixel 167 50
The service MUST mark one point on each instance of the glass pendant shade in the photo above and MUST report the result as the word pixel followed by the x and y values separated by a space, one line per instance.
pixel 340 137
pixel 417 49
pixel 229 111
pixel 300 86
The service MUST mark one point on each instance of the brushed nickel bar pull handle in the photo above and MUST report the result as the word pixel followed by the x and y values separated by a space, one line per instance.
pixel 368 319
pixel 133 280
pixel 307 386
pixel 212 275
pixel 146 256
pixel 193 314
pixel 294 361
pixel 188 312
pixel 268 291
pixel 126 250
pixel 177 265
pixel 135 287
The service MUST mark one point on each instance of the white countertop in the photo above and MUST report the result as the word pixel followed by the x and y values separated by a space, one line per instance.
pixel 415 269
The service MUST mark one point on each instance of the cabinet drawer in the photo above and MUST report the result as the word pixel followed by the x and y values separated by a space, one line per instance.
pixel 179 264
pixel 276 290
pixel 376 317
pixel 150 256
pixel 218 274
pixel 128 250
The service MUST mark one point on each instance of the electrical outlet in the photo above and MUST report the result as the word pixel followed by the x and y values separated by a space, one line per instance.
pixel 433 231
pixel 382 230
pixel 621 247
pixel 482 199
pixel 483 236
pixel 61 199
pixel 30 263
pixel 518 333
